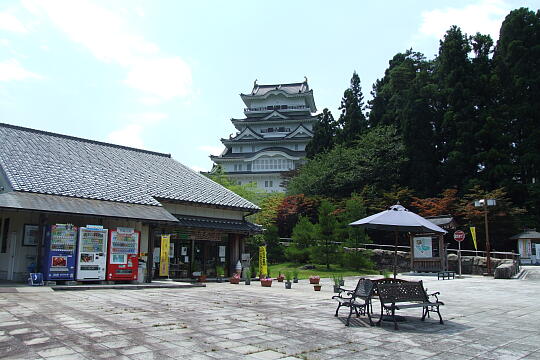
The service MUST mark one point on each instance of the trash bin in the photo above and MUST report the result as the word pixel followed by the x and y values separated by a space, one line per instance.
pixel 141 276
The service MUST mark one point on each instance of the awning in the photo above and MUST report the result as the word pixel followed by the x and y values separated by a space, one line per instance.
pixel 218 224
pixel 69 205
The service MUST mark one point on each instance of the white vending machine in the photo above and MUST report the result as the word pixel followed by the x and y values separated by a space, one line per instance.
pixel 92 253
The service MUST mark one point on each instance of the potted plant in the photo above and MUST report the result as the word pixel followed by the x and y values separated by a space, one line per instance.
pixel 295 276
pixel 288 277
pixel 317 287
pixel 247 274
pixel 336 279
pixel 220 273
pixel 266 282
pixel 235 279
pixel 280 277
pixel 314 279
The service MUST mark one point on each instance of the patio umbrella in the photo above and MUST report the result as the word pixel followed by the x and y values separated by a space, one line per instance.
pixel 398 219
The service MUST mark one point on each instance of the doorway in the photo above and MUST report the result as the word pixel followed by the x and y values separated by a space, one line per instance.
pixel 537 246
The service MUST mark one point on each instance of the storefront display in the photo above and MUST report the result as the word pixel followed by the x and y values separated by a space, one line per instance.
pixel 92 253
pixel 59 252
pixel 122 259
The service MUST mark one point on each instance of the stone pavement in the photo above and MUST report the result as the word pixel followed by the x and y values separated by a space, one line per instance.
pixel 484 319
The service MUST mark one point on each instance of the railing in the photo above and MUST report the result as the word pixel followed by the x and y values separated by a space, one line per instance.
pixel 276 107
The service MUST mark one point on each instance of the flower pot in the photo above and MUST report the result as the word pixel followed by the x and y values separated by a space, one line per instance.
pixel 201 278
pixel 280 278
pixel 288 284
pixel 248 281
pixel 219 279
pixel 295 280
pixel 314 281
pixel 266 283
pixel 341 282
pixel 234 280
pixel 317 287
pixel 336 289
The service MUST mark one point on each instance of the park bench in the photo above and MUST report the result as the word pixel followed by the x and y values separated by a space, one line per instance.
pixel 357 300
pixel 446 275
pixel 411 294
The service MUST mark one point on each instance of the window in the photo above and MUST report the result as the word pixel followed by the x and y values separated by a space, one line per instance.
pixel 268 183
pixel 252 148
pixel 296 147
pixel 240 167
pixel 241 148
pixel 3 235
pixel 248 167
pixel 235 167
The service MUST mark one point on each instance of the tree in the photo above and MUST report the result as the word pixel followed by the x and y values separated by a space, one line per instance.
pixel 446 204
pixel 327 229
pixel 269 210
pixel 303 237
pixel 376 159
pixel 247 191
pixel 352 121
pixel 324 132
pixel 291 208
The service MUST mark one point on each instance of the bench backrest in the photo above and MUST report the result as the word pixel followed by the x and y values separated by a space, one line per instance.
pixel 401 292
pixel 363 289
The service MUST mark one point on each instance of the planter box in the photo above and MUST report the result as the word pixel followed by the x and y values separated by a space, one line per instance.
pixel 317 287
pixel 234 281
pixel 314 281
pixel 266 283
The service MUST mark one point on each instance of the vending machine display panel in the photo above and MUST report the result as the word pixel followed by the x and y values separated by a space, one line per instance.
pixel 92 253
pixel 60 241
pixel 123 261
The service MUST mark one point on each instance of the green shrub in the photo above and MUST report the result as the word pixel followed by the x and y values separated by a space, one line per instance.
pixel 296 255
pixel 357 260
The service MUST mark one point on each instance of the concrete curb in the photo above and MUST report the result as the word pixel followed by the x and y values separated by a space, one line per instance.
pixel 124 287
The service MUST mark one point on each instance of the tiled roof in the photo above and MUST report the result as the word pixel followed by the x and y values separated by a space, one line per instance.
pixel 48 163
pixel 294 88
pixel 220 224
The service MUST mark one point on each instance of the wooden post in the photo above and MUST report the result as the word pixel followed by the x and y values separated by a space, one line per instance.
pixel 411 244
pixel 40 238
pixel 395 253
pixel 150 257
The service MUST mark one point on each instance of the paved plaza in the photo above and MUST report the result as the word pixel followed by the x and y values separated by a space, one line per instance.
pixel 484 319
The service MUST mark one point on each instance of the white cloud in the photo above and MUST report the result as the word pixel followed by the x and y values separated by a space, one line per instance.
pixel 212 150
pixel 107 36
pixel 130 135
pixel 9 22
pixel 12 70
pixel 484 16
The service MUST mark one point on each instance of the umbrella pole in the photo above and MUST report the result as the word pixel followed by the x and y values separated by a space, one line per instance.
pixel 395 253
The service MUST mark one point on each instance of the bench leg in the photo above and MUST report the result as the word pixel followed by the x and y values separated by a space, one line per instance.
pixel 440 317
pixel 337 310
pixel 380 317
pixel 394 318
pixel 349 318
pixel 424 312
pixel 356 311
pixel 366 310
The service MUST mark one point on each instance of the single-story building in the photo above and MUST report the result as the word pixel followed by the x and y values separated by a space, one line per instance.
pixel 528 244
pixel 48 178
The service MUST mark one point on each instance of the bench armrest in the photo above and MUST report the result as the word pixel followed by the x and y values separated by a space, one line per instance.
pixel 435 295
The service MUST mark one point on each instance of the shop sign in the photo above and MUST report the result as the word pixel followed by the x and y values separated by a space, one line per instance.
pixel 423 247
pixel 263 268
pixel 164 259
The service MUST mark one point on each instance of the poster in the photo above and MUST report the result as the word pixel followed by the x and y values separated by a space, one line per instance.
pixel 164 258
pixel 263 268
pixel 183 251
pixel 171 251
pixel 222 251
pixel 30 235
pixel 155 257
pixel 423 247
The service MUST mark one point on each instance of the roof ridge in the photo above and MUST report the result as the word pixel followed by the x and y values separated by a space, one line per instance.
pixel 17 127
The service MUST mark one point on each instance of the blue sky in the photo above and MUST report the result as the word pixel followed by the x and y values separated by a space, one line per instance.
pixel 165 75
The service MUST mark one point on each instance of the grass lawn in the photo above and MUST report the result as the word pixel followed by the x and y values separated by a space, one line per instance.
pixel 320 270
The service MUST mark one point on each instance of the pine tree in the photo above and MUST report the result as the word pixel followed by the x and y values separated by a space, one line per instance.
pixel 352 121
pixel 324 132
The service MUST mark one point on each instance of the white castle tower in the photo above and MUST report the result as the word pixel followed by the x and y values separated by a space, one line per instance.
pixel 272 138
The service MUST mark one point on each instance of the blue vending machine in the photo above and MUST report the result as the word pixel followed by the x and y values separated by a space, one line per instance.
pixel 59 252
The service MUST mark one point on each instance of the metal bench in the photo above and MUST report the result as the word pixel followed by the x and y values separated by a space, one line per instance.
pixel 357 299
pixel 406 295
pixel 446 275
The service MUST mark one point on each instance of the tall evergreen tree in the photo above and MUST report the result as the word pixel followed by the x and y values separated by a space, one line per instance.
pixel 324 132
pixel 352 121
pixel 517 60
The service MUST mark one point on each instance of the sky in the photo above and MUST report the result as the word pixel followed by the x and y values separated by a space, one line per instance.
pixel 165 75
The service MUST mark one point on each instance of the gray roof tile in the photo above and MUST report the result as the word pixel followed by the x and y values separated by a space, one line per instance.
pixel 49 163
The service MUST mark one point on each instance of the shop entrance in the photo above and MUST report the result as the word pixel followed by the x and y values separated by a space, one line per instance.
pixel 210 254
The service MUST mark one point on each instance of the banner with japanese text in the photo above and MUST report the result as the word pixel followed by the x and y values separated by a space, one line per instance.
pixel 164 258
pixel 263 267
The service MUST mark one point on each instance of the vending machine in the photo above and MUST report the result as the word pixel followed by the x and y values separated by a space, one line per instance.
pixel 92 253
pixel 123 257
pixel 58 263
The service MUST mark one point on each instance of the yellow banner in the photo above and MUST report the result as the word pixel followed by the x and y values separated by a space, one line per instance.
pixel 164 255
pixel 263 267
pixel 473 233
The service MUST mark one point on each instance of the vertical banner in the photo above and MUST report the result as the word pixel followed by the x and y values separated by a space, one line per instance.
pixel 164 258
pixel 263 268
pixel 473 235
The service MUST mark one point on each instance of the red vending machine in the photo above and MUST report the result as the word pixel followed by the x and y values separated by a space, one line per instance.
pixel 122 259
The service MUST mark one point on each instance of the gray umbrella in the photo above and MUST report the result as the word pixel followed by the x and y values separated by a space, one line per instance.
pixel 397 219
